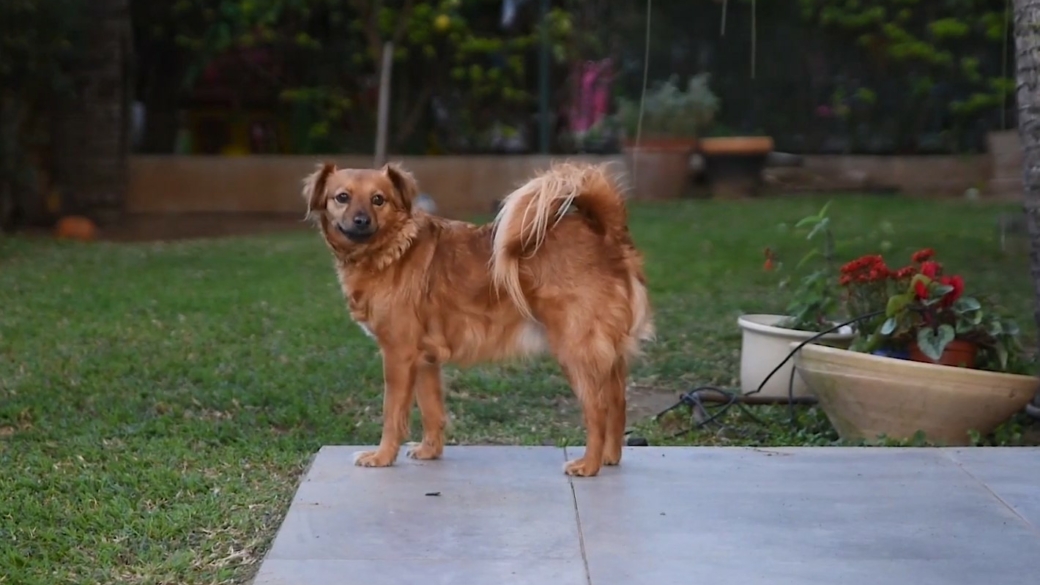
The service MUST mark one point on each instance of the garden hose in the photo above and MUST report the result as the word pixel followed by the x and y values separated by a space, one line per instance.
pixel 696 397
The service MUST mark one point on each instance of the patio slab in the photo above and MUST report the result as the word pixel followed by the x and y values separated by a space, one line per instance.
pixel 501 515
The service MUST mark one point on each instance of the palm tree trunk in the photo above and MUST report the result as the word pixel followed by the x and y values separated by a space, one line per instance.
pixel 1027 59
pixel 91 129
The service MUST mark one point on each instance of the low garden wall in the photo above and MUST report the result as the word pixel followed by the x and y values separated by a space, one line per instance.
pixel 459 185
pixel 462 185
pixel 949 175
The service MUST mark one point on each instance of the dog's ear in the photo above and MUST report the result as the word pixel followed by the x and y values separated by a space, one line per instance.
pixel 314 187
pixel 404 182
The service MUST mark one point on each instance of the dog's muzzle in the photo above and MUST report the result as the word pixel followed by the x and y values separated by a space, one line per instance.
pixel 358 229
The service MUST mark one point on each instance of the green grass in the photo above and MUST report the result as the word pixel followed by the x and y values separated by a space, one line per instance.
pixel 159 401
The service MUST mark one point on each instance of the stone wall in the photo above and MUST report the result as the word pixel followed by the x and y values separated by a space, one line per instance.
pixel 463 185
pixel 910 175
pixel 459 185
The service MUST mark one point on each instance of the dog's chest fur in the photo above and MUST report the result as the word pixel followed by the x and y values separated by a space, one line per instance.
pixel 359 305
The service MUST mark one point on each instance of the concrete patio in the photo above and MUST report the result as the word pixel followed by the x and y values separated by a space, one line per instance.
pixel 503 515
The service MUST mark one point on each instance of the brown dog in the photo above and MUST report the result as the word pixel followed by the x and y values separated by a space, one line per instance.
pixel 433 291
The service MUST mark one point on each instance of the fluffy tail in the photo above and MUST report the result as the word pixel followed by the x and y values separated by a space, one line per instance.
pixel 529 212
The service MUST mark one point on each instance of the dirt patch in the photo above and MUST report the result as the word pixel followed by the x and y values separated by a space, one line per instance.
pixel 646 400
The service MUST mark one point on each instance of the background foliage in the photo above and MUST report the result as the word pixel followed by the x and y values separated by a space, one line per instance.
pixel 890 76
pixel 937 59
pixel 452 60
pixel 37 50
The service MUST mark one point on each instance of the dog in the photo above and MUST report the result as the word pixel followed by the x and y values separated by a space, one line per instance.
pixel 556 271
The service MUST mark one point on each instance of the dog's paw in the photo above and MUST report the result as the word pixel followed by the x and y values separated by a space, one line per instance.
pixel 374 458
pixel 425 451
pixel 612 458
pixel 581 468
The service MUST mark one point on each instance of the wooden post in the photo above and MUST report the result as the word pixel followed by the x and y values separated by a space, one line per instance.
pixel 383 121
pixel 1027 77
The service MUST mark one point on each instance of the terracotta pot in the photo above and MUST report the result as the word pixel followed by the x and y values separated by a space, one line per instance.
pixel 74 227
pixel 866 396
pixel 958 353
pixel 659 168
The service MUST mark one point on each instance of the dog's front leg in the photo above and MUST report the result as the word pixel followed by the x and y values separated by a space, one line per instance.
pixel 398 395
pixel 431 405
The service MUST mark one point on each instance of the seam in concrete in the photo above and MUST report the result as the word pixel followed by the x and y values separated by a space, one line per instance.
pixel 949 455
pixel 577 519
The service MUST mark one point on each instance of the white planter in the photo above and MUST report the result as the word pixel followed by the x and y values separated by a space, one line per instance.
pixel 764 346
pixel 866 396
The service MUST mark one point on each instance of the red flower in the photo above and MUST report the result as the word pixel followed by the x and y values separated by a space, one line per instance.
pixel 923 255
pixel 958 289
pixel 768 265
pixel 861 263
pixel 921 289
pixel 845 280
pixel 905 272
pixel 853 266
pixel 930 269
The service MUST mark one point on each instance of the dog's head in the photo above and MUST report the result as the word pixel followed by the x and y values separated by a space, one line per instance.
pixel 358 205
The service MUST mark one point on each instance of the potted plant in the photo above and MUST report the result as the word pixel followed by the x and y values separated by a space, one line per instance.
pixel 932 360
pixel 672 120
pixel 766 338
pixel 932 321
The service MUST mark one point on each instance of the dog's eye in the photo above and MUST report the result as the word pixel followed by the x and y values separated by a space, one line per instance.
pixel 378 200
pixel 342 198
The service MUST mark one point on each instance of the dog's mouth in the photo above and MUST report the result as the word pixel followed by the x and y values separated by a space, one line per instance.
pixel 354 235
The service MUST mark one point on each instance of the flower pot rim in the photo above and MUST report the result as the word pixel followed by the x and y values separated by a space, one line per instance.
pixel 736 145
pixel 754 322
pixel 937 370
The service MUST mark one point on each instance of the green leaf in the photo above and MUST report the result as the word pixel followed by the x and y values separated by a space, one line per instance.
pixel 807 221
pixel 996 328
pixel 823 210
pixel 934 341
pixel 888 326
pixel 819 227
pixel 897 303
pixel 1002 355
pixel 809 256
pixel 967 304
pixel 1012 328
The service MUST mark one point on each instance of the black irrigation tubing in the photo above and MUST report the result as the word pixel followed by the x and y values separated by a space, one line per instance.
pixel 696 397
pixel 1033 410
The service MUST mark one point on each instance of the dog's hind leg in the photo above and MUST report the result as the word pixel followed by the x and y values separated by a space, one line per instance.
pixel 594 412
pixel 590 378
pixel 399 374
pixel 614 396
pixel 430 396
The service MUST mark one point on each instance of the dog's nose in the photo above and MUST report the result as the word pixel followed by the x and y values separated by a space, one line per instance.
pixel 362 220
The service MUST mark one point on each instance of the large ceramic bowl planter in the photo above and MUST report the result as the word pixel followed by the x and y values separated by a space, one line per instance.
pixel 659 168
pixel 866 396
pixel 764 346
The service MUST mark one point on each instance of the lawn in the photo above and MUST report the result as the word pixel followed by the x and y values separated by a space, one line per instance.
pixel 159 401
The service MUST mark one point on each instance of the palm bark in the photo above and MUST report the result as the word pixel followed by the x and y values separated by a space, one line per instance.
pixel 1027 60
pixel 91 129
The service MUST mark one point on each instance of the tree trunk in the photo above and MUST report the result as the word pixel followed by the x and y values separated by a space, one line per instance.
pixel 91 130
pixel 1027 65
